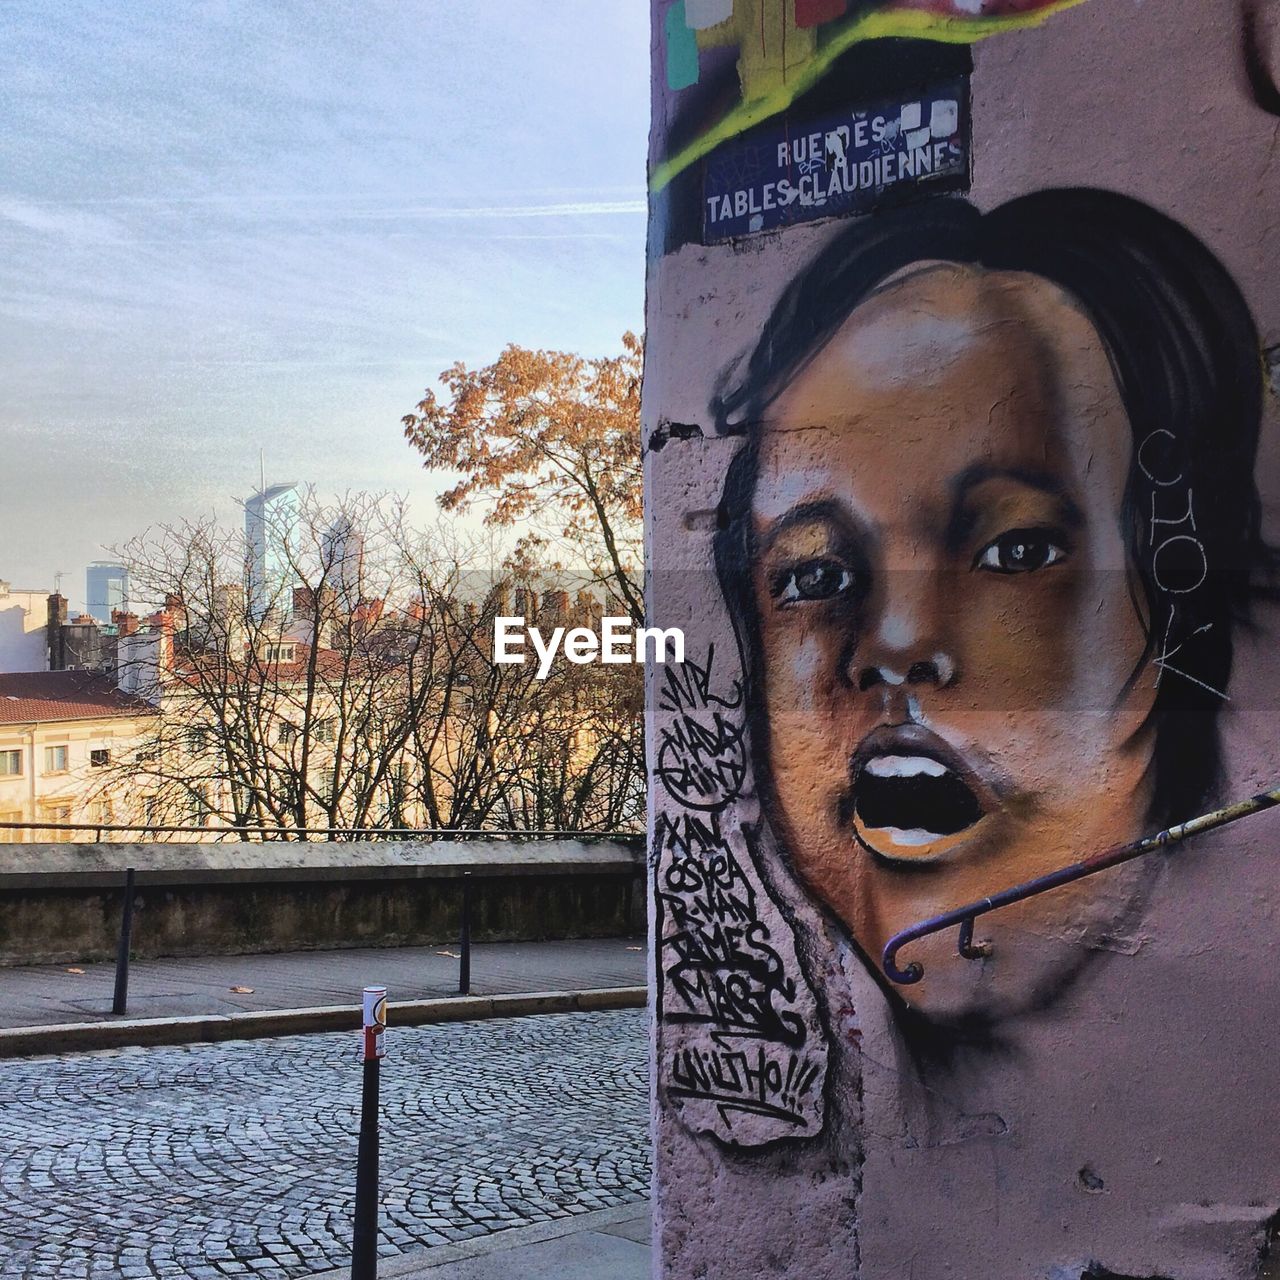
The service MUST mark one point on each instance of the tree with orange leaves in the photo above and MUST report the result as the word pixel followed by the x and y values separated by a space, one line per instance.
pixel 547 441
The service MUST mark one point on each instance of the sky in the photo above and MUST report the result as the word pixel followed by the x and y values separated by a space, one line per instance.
pixel 238 225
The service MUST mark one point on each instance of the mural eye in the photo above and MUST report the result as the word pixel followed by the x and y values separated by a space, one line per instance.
pixel 1022 551
pixel 812 580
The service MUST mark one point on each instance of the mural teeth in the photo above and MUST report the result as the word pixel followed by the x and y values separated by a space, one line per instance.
pixel 915 836
pixel 905 767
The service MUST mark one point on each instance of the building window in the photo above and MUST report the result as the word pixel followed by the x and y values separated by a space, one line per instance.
pixel 197 741
pixel 324 730
pixel 199 807
pixel 10 764
pixel 286 731
pixel 281 652
pixel 7 834
pixel 55 759
pixel 57 814
pixel 463 693
pixel 100 758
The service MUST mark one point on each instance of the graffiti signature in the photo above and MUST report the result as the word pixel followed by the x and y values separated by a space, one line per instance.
pixel 747 1048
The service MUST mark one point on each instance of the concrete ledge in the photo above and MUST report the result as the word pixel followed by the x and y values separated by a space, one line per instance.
pixel 84 1037
pixel 102 866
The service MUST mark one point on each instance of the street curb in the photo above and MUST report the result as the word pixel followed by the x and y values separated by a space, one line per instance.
pixel 84 1037
pixel 417 1261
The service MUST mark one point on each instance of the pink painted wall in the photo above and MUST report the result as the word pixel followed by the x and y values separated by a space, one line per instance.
pixel 1109 1108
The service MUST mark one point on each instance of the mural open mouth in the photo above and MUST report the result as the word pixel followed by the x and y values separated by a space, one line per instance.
pixel 909 801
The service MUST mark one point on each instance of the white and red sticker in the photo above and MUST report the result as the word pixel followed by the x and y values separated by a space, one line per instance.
pixel 375 1022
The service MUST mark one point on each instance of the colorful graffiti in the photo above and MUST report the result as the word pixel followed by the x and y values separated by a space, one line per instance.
pixel 785 47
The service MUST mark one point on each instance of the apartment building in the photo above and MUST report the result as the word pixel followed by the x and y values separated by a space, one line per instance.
pixel 60 731
pixel 398 720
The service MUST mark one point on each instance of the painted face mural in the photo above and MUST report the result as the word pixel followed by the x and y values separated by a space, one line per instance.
pixel 965 545
pixel 946 634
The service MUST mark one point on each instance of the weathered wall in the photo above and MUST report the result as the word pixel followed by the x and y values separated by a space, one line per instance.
pixel 244 898
pixel 960 417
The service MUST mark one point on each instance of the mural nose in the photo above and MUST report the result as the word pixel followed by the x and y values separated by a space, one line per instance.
pixel 938 670
pixel 906 644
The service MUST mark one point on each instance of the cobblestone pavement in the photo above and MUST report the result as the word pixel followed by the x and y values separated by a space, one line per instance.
pixel 238 1159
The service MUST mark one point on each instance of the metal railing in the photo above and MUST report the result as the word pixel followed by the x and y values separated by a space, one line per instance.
pixel 268 834
pixel 468 882
pixel 962 918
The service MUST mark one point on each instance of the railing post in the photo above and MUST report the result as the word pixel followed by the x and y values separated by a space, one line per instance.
pixel 120 1002
pixel 364 1245
pixel 464 947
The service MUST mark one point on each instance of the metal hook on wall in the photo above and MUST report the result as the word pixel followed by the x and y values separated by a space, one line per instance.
pixel 963 917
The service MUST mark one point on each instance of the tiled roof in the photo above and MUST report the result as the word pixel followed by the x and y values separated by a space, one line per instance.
pixel 64 695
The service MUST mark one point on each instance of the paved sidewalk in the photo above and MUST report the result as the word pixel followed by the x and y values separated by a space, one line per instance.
pixel 610 1244
pixel 56 994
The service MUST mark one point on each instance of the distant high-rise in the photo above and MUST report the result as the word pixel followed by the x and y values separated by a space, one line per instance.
pixel 342 556
pixel 106 587
pixel 271 536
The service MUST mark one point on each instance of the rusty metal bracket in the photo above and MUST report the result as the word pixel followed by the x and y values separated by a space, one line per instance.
pixel 963 917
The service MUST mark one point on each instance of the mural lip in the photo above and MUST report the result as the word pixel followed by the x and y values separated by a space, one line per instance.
pixel 969 800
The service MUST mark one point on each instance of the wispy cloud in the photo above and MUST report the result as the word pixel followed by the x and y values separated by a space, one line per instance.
pixel 57 220
pixel 634 192
pixel 69 218
pixel 577 209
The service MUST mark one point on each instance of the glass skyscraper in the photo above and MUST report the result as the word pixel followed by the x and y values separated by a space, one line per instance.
pixel 342 558
pixel 272 537
pixel 106 587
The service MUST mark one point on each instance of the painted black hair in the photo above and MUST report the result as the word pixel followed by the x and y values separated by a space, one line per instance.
pixel 1187 359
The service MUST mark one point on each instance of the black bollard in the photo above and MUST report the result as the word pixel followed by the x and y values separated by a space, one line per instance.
pixel 364 1247
pixel 120 1003
pixel 464 947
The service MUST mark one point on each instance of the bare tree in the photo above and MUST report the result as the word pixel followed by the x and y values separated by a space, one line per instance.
pixel 353 686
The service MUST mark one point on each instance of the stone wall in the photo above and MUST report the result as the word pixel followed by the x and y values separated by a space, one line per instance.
pixel 212 899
